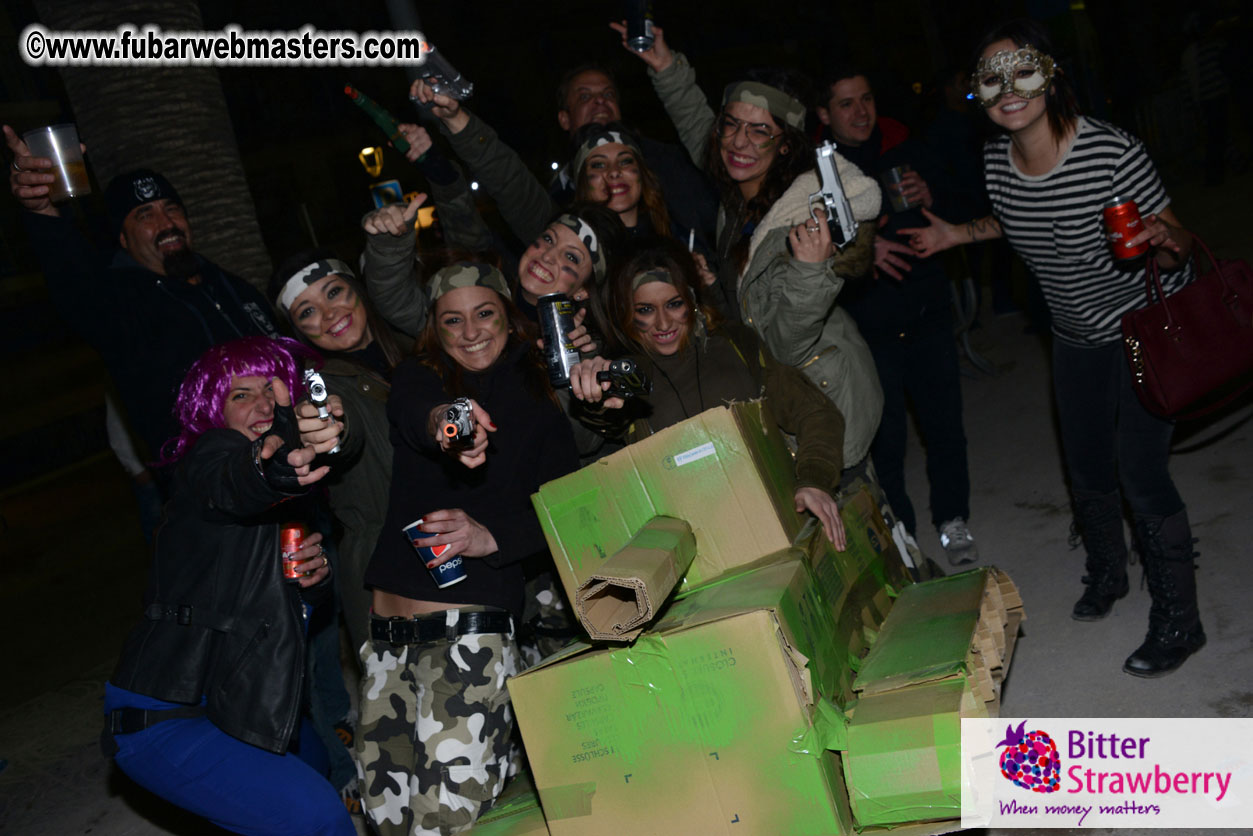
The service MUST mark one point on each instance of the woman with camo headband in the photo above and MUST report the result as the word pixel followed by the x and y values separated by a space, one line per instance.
pixel 612 171
pixel 434 739
pixel 696 363
pixel 778 270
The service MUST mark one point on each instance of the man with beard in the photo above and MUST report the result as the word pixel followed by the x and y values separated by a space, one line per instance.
pixel 151 309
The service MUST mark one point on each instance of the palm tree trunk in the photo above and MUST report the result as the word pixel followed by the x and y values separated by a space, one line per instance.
pixel 173 120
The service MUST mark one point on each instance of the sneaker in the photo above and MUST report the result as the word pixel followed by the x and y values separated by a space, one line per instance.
pixel 958 542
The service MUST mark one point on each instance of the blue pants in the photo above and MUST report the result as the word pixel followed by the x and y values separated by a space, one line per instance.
pixel 235 785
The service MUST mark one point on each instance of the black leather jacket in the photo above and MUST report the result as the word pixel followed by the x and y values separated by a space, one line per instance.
pixel 219 620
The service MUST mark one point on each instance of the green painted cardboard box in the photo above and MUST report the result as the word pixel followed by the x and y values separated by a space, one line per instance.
pixel 711 723
pixel 727 472
pixel 516 813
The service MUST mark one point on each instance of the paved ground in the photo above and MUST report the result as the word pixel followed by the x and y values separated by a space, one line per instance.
pixel 75 534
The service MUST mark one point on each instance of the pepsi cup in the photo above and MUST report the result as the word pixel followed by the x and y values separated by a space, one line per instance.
pixel 445 574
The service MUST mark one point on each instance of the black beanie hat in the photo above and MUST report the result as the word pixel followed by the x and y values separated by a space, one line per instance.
pixel 135 188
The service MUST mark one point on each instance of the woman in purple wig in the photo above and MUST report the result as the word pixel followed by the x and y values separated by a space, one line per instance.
pixel 204 707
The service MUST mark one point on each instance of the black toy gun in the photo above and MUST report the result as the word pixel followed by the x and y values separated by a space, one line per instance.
pixel 458 424
pixel 831 194
pixel 442 77
pixel 318 397
pixel 626 379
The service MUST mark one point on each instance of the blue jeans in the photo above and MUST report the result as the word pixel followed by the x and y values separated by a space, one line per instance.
pixel 235 785
pixel 1109 440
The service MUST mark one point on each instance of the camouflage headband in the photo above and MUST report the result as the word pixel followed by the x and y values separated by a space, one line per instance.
pixel 779 104
pixel 587 236
pixel 309 274
pixel 466 274
pixel 657 274
pixel 598 139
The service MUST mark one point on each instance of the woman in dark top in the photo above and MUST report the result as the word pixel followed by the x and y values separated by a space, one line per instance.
pixel 434 738
pixel 697 362
pixel 205 706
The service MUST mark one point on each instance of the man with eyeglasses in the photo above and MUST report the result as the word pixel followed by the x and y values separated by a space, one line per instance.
pixel 905 314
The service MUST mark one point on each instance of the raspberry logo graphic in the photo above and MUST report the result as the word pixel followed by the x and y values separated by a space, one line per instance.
pixel 1030 759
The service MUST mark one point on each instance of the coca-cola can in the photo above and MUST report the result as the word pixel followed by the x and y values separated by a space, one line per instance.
pixel 1122 223
pixel 556 319
pixel 291 538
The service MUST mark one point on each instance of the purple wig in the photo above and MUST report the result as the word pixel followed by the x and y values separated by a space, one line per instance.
pixel 202 396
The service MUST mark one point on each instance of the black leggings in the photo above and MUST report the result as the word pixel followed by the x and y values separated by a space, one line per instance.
pixel 1108 438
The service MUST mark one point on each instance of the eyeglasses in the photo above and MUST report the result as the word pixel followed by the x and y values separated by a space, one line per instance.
pixel 758 132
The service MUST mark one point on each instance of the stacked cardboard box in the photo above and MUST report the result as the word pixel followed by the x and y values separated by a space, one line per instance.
pixel 732 712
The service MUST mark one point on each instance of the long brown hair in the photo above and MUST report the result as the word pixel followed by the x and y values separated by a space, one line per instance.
pixel 430 353
pixel 653 254
pixel 793 159
pixel 652 200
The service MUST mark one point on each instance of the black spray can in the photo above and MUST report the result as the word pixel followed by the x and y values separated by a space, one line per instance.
pixel 639 21
pixel 556 319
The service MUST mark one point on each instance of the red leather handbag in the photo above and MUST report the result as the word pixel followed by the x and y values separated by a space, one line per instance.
pixel 1192 352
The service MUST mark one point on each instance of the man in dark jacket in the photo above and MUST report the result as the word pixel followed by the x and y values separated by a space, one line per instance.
pixel 904 313
pixel 151 309
pixel 588 93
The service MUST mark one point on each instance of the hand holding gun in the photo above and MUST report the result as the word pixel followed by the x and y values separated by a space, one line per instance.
pixel 318 397
pixel 442 77
pixel 831 194
pixel 626 379
pixel 458 423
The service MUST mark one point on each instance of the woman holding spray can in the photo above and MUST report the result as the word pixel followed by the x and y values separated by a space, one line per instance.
pixel 434 737
pixel 1051 175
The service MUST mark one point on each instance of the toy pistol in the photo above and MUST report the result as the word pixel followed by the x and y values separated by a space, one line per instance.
pixel 458 423
pixel 626 379
pixel 831 194
pixel 442 77
pixel 318 397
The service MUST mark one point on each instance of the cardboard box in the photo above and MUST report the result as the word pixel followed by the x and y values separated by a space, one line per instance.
pixel 941 655
pixel 962 624
pixel 903 762
pixel 516 813
pixel 710 723
pixel 727 472
pixel 629 588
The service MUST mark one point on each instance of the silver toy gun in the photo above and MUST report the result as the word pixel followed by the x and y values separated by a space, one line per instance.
pixel 831 194
pixel 318 397
pixel 442 77
pixel 458 423
pixel 626 379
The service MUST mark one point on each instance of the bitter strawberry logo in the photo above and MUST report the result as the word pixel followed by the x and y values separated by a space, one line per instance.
pixel 1030 759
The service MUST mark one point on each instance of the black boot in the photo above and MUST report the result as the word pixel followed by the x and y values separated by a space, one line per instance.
pixel 1098 517
pixel 1175 631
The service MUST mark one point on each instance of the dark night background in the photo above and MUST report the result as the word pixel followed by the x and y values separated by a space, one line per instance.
pixel 299 135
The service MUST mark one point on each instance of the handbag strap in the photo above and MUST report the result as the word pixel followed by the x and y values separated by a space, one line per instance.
pixel 1152 279
pixel 1214 407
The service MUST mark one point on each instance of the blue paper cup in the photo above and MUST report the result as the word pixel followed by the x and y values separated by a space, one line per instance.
pixel 445 574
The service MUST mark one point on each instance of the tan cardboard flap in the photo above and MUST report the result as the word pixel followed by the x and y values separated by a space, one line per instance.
pixel 624 594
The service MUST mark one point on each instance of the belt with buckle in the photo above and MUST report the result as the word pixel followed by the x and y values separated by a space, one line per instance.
pixel 424 629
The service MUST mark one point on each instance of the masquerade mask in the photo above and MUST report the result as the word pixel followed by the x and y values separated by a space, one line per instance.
pixel 1026 72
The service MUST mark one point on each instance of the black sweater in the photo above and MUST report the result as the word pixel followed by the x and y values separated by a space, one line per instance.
pixel 532 445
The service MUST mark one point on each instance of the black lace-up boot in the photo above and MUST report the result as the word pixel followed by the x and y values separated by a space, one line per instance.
pixel 1175 631
pixel 1098 516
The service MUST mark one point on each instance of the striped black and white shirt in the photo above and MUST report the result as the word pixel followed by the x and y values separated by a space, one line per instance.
pixel 1054 222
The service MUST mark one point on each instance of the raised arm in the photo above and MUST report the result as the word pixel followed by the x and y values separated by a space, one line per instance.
pixel 524 202
pixel 675 82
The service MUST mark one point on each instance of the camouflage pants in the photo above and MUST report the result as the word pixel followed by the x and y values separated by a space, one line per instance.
pixel 434 743
pixel 862 475
pixel 548 624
